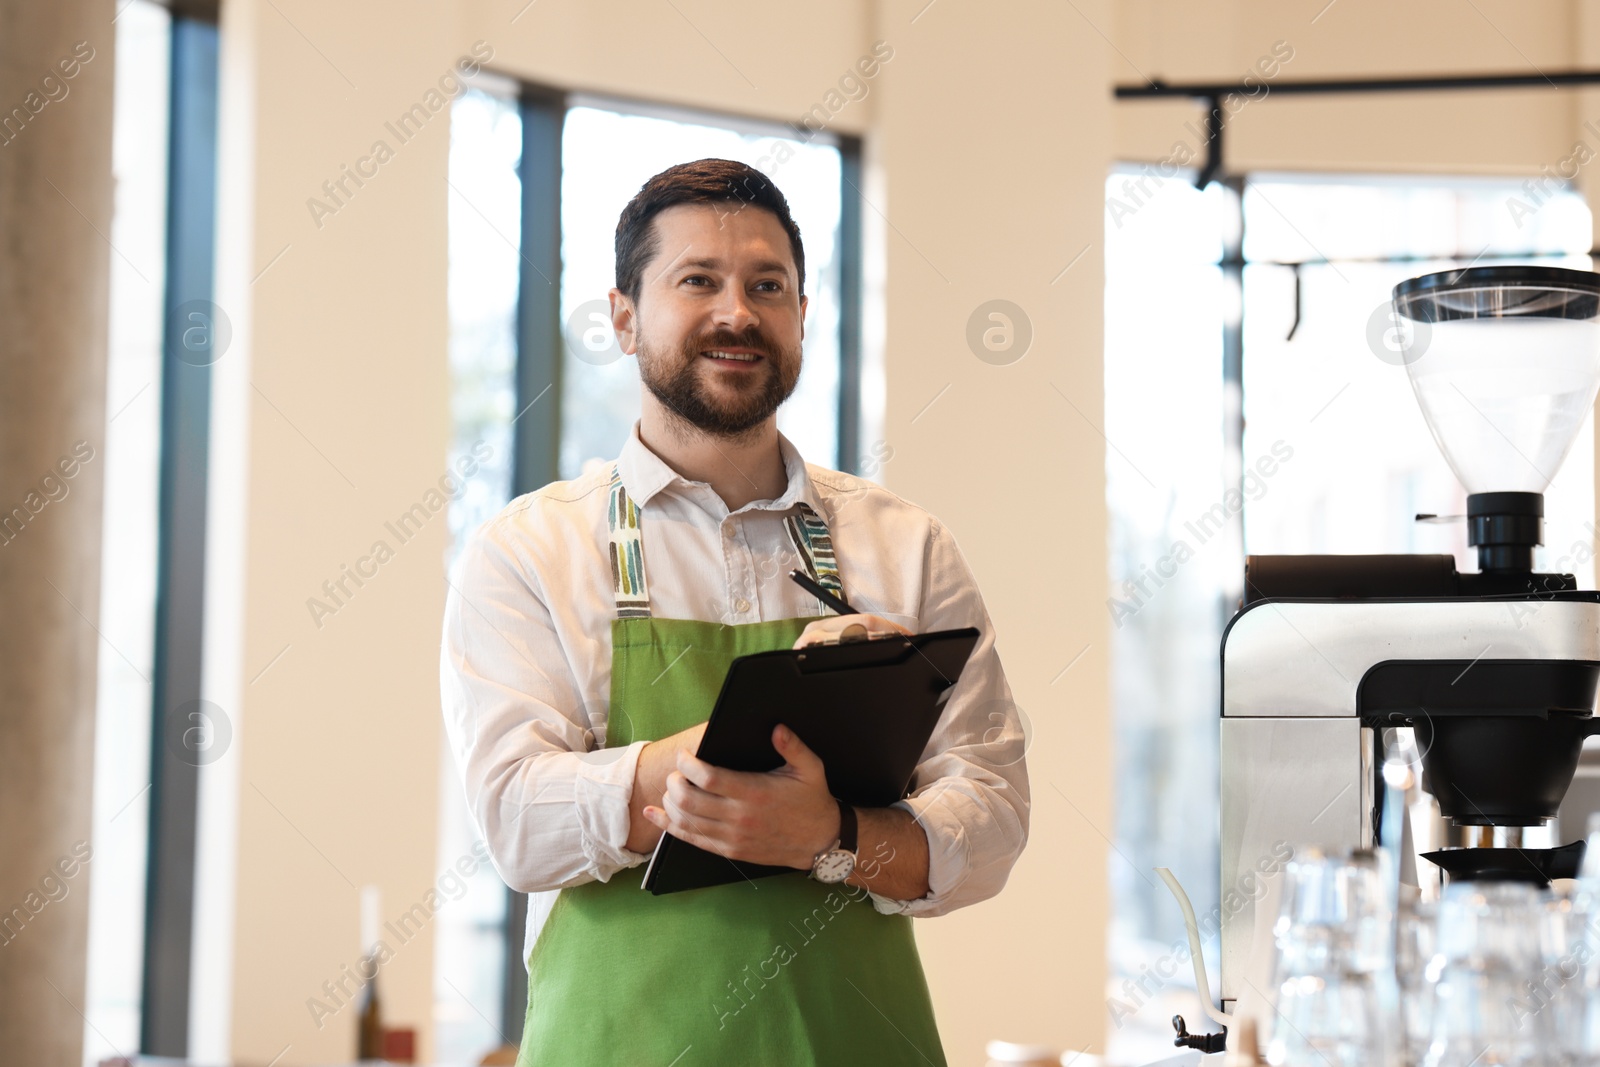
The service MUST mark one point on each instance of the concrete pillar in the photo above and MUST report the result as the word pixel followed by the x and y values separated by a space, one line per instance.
pixel 993 187
pixel 55 213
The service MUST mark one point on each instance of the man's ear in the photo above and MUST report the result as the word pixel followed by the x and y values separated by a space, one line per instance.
pixel 804 301
pixel 623 320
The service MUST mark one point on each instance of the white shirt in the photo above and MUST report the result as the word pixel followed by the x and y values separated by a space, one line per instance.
pixel 526 664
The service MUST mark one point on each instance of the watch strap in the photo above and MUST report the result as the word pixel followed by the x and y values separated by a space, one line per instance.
pixel 847 827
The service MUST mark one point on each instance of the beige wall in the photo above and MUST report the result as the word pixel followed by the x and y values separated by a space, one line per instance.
pixel 994 135
pixel 333 417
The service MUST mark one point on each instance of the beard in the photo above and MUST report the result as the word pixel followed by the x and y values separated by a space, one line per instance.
pixel 674 379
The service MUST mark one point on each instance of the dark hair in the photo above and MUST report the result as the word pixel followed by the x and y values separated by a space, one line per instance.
pixel 705 181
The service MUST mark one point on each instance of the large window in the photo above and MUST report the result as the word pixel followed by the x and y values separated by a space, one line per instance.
pixel 485 235
pixel 1165 398
pixel 1271 341
pixel 153 732
pixel 131 453
pixel 1365 464
pixel 541 390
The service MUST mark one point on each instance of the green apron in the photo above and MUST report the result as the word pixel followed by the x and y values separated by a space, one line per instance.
pixel 779 970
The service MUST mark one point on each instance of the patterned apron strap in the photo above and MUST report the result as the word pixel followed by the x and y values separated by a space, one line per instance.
pixel 806 529
pixel 627 553
pixel 815 545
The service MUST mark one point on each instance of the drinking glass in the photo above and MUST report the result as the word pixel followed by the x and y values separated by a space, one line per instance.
pixel 1334 968
pixel 1489 951
pixel 1414 945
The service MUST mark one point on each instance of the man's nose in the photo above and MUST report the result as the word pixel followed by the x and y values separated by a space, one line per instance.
pixel 734 311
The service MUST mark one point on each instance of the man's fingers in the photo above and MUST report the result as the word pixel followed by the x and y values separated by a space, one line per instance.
pixel 718 780
pixel 689 834
pixel 794 751
pixel 683 796
pixel 696 769
pixel 692 826
pixel 831 629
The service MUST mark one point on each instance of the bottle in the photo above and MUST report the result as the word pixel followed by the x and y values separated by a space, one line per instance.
pixel 369 1025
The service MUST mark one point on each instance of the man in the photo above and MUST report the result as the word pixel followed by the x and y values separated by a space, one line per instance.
pixel 587 632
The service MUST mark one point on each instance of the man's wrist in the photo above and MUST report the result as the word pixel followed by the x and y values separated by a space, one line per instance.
pixel 831 841
pixel 849 827
pixel 836 861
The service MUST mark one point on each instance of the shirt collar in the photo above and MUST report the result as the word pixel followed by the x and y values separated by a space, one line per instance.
pixel 644 474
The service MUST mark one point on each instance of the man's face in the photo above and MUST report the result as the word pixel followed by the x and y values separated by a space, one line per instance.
pixel 719 320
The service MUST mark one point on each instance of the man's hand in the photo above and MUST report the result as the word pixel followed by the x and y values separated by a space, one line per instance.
pixel 656 760
pixel 831 629
pixel 782 817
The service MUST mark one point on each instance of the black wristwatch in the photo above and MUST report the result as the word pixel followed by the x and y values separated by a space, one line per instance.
pixel 835 863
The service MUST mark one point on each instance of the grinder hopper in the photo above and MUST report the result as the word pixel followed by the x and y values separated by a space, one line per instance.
pixel 1505 363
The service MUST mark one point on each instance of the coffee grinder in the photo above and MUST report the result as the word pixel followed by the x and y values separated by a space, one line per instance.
pixel 1390 700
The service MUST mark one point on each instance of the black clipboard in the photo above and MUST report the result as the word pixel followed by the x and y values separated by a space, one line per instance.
pixel 866 709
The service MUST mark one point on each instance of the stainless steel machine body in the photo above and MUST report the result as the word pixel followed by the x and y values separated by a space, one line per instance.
pixel 1298 762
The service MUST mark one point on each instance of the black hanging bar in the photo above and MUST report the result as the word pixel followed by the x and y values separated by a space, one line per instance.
pixel 1205 91
pixel 1215 120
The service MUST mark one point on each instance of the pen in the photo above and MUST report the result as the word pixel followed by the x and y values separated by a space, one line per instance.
pixel 812 586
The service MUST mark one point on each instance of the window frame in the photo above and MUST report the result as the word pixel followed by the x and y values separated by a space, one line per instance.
pixel 181 535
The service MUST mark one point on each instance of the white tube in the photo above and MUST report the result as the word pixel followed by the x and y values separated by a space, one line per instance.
pixel 1200 982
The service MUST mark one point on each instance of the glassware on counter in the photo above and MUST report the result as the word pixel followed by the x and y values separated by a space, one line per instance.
pixel 1336 1005
pixel 1489 947
pixel 1494 973
pixel 1414 941
pixel 1559 987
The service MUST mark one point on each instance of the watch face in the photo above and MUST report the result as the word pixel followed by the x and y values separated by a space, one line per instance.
pixel 834 866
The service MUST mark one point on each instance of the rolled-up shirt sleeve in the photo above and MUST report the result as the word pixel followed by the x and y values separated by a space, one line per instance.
pixel 970 790
pixel 551 805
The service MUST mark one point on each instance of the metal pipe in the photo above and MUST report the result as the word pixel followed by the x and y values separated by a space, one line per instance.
pixel 1214 90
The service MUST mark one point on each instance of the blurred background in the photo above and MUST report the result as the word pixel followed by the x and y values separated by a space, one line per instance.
pixel 284 282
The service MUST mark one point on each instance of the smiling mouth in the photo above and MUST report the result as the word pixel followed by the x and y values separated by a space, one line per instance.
pixel 731 357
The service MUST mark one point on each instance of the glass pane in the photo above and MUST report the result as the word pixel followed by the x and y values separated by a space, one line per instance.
pixel 606 156
pixel 485 226
pixel 1164 407
pixel 485 234
pixel 1297 218
pixel 131 452
pixel 1364 464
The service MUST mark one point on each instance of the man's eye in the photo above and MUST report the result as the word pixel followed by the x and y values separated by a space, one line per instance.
pixel 697 278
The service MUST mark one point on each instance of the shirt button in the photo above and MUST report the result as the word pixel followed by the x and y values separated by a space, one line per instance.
pixel 741 605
